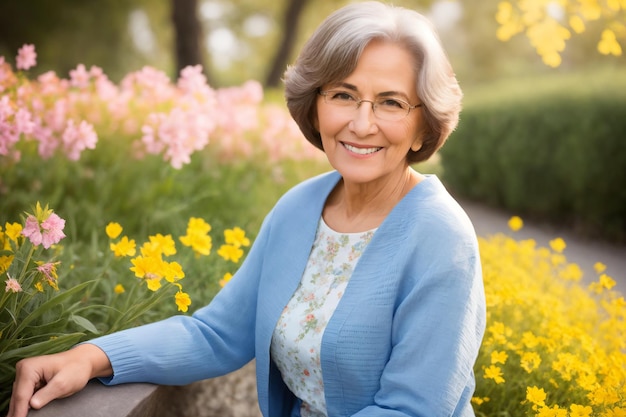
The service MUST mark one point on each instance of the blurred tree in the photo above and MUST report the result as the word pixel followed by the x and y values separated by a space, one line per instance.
pixel 291 21
pixel 188 35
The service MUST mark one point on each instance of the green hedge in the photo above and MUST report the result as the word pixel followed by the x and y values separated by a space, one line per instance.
pixel 551 149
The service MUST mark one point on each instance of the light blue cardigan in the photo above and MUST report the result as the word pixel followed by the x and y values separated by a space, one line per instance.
pixel 402 341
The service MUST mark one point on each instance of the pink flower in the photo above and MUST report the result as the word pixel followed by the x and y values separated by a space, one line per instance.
pixel 79 77
pixel 12 285
pixel 193 81
pixel 26 57
pixel 31 230
pixel 78 138
pixel 24 122
pixel 49 270
pixel 48 233
pixel 52 230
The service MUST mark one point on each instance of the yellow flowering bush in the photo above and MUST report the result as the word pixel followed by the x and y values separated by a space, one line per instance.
pixel 548 32
pixel 151 264
pixel 553 346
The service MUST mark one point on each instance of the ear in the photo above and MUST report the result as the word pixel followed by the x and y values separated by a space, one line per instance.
pixel 417 144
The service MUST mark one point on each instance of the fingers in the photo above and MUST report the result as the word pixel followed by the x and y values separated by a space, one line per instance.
pixel 26 383
pixel 58 387
pixel 18 407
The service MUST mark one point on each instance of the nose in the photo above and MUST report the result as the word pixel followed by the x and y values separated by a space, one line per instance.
pixel 363 122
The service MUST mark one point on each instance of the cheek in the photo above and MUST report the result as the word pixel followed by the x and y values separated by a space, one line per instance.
pixel 328 122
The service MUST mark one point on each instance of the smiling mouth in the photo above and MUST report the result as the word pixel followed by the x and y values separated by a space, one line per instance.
pixel 360 151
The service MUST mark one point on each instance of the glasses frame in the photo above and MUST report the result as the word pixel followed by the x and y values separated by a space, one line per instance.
pixel 359 101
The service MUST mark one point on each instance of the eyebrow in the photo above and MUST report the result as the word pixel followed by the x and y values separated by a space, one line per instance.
pixel 354 88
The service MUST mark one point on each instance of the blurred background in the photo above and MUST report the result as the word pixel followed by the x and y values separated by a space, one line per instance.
pixel 237 40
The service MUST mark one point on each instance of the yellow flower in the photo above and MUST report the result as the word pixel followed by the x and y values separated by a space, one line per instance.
pixel 5 261
pixel 535 395
pixel 183 301
pixel 119 289
pixel 599 267
pixel 229 252
pixel 197 236
pixel 153 282
pixel 201 244
pixel 608 45
pixel 580 410
pixel 13 231
pixel 577 24
pixel 145 267
pixel 555 411
pixel 113 230
pixel 227 277
pixel 173 271
pixel 558 245
pixel 198 226
pixel 530 361
pixel 163 244
pixel 616 412
pixel 236 237
pixel 495 373
pixel 479 400
pixel 604 282
pixel 515 223
pixel 499 357
pixel 125 247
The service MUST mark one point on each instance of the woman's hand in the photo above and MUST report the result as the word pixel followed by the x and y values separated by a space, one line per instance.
pixel 41 379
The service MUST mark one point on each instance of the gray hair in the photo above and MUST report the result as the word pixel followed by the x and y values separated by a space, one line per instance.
pixel 332 52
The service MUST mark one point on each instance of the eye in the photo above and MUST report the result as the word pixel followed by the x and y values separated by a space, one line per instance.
pixel 392 103
pixel 338 95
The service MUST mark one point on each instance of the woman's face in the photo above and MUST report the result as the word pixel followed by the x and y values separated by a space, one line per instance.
pixel 361 146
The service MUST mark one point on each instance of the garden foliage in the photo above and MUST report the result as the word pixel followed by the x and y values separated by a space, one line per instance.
pixel 551 150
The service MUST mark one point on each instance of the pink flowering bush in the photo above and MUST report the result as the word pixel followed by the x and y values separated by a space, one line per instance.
pixel 34 316
pixel 171 119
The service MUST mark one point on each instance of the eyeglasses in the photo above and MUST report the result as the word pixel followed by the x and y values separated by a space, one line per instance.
pixel 391 109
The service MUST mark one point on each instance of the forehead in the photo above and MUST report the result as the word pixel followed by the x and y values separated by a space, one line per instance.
pixel 383 67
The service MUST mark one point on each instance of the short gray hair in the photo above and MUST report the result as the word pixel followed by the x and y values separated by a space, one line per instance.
pixel 332 52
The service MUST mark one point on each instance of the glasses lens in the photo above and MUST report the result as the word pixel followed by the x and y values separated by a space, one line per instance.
pixel 391 109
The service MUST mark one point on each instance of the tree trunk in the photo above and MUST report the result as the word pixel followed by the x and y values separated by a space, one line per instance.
pixel 291 20
pixel 188 35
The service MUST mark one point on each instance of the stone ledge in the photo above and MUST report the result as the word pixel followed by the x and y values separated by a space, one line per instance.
pixel 97 400
pixel 232 395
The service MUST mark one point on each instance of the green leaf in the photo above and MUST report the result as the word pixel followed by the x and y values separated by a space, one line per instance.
pixel 42 348
pixel 48 305
pixel 84 323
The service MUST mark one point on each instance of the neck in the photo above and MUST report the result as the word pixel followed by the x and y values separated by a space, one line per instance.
pixel 358 207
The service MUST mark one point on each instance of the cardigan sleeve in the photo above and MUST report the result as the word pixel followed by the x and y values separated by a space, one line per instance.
pixel 215 340
pixel 436 335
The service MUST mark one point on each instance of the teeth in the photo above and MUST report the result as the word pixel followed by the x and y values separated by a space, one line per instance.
pixel 361 151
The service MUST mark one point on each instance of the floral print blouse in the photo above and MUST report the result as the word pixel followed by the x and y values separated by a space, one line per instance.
pixel 298 334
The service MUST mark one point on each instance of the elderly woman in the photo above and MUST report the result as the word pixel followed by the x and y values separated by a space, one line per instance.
pixel 362 294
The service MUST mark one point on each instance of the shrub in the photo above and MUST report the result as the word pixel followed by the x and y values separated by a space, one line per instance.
pixel 555 154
